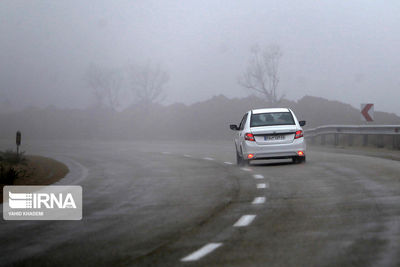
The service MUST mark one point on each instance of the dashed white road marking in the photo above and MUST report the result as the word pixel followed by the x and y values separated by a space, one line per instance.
pixel 187 156
pixel 245 220
pixel 207 158
pixel 228 163
pixel 246 169
pixel 198 254
pixel 258 200
pixel 258 176
pixel 262 186
pixel 166 153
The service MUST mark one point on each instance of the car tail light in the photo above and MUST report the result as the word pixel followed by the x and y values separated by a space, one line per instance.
pixel 250 156
pixel 249 137
pixel 300 153
pixel 298 134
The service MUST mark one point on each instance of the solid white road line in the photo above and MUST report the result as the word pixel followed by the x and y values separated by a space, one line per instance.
pixel 188 156
pixel 262 186
pixel 258 176
pixel 198 254
pixel 207 158
pixel 245 220
pixel 227 162
pixel 246 169
pixel 83 173
pixel 259 200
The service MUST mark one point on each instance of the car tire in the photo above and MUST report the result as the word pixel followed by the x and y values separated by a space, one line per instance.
pixel 238 159
pixel 299 160
pixel 245 162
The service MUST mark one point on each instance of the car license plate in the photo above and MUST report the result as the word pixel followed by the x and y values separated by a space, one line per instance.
pixel 274 137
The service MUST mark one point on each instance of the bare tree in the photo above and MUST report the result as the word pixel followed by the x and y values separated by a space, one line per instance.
pixel 147 83
pixel 262 73
pixel 106 85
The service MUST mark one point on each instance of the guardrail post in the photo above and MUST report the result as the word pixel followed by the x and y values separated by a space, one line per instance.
pixel 395 142
pixel 380 141
pixel 323 140
pixel 313 140
pixel 365 140
pixel 336 139
pixel 350 140
pixel 398 141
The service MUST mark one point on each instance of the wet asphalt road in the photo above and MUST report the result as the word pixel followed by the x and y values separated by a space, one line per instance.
pixel 155 204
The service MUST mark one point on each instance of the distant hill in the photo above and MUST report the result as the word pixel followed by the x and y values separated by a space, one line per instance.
pixel 319 111
pixel 208 119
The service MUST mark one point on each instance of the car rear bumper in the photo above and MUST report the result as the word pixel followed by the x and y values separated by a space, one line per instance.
pixel 273 151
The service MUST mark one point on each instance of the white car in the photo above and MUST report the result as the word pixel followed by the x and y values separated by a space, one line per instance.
pixel 273 133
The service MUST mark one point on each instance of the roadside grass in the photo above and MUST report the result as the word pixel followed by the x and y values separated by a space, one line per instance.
pixel 10 166
pixel 12 158
pixel 30 170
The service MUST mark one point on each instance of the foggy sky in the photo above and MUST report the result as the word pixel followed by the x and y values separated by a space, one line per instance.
pixel 341 50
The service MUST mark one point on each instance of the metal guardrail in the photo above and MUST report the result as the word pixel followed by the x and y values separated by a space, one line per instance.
pixel 349 135
pixel 354 129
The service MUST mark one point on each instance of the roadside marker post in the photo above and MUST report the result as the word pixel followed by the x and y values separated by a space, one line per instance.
pixel 18 141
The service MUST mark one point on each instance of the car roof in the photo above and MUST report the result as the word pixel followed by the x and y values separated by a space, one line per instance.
pixel 269 110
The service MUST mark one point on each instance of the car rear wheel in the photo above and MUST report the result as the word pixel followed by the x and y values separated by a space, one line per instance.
pixel 238 158
pixel 245 162
pixel 298 160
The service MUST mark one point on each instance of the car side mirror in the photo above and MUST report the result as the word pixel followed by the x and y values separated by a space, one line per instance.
pixel 234 127
pixel 302 123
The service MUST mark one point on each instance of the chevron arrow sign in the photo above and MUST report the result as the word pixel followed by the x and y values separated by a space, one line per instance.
pixel 367 112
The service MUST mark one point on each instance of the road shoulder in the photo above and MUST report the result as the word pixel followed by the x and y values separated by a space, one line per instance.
pixel 39 170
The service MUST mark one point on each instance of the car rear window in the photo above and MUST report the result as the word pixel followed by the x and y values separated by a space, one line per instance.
pixel 270 119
